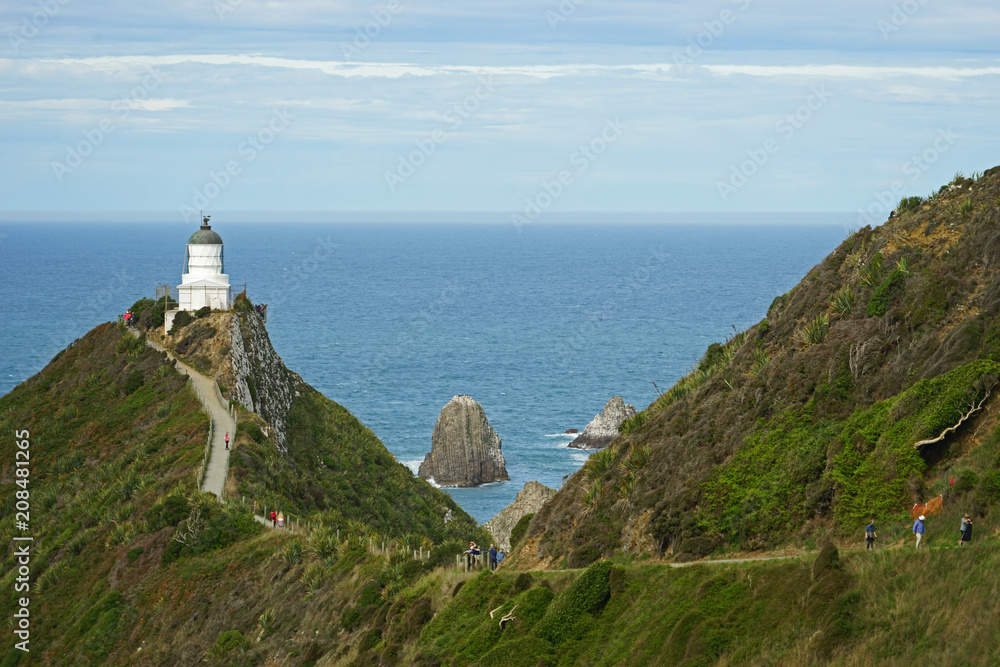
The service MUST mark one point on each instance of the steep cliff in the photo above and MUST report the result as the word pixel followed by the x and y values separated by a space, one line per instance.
pixel 603 428
pixel 465 450
pixel 260 381
pixel 528 501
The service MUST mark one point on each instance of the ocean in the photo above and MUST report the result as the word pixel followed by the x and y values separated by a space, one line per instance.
pixel 541 326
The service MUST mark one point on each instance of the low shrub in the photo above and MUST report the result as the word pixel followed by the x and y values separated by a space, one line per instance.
pixel 570 616
pixel 229 642
pixel 886 293
pixel 252 431
pixel 371 639
pixel 133 382
pixel 181 320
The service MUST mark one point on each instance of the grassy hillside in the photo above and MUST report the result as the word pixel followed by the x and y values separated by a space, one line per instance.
pixel 129 555
pixel 803 426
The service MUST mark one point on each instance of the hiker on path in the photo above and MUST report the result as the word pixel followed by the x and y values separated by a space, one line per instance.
pixel 227 441
pixel 966 531
pixel 870 535
pixel 918 529
pixel 493 557
pixel 500 556
pixel 281 519
pixel 274 519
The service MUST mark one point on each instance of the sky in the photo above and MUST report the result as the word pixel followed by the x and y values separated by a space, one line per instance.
pixel 526 108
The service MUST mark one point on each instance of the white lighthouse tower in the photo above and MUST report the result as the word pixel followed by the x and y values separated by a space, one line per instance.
pixel 204 282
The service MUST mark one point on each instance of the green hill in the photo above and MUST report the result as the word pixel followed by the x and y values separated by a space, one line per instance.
pixel 804 426
pixel 869 387
pixel 127 553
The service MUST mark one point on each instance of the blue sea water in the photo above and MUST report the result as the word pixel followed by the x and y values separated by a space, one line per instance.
pixel 541 327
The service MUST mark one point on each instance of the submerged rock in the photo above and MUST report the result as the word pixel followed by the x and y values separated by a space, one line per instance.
pixel 603 428
pixel 465 450
pixel 528 501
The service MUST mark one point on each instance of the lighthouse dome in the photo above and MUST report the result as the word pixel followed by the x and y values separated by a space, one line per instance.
pixel 205 235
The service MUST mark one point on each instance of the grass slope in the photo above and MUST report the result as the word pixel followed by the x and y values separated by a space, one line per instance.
pixel 131 564
pixel 802 426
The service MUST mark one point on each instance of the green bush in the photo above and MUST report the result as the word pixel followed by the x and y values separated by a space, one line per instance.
pixel 133 382
pixel 141 307
pixel 252 430
pixel 887 292
pixel 134 554
pixel 523 581
pixel 204 311
pixel 371 639
pixel 909 204
pixel 181 320
pixel 520 530
pixel 570 615
pixel 152 317
pixel 229 642
pixel 711 358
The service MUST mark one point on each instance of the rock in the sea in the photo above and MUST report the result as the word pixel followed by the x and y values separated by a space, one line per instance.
pixel 603 428
pixel 465 450
pixel 528 501
pixel 572 431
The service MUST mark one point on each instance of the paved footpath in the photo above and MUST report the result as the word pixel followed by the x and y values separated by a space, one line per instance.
pixel 222 422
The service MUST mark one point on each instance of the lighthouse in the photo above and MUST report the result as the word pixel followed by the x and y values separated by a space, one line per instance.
pixel 204 281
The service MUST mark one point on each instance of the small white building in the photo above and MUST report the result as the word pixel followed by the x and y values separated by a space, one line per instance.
pixel 204 282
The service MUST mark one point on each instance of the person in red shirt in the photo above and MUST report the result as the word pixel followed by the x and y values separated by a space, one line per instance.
pixel 274 519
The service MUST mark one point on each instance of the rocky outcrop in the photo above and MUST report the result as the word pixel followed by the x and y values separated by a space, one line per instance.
pixel 603 428
pixel 465 450
pixel 260 381
pixel 528 501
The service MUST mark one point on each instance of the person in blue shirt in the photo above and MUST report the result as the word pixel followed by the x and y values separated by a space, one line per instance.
pixel 918 529
pixel 870 535
pixel 493 557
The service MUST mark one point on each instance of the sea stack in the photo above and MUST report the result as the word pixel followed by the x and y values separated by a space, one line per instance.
pixel 465 450
pixel 603 428
pixel 528 501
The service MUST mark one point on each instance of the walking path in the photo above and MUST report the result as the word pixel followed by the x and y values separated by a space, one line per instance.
pixel 207 391
pixel 730 560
